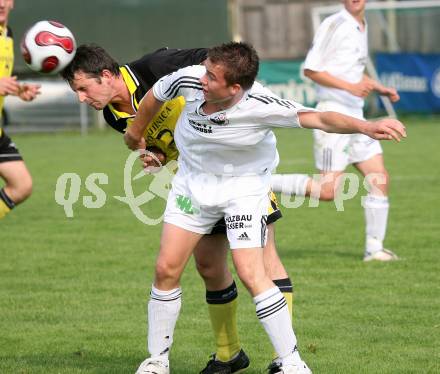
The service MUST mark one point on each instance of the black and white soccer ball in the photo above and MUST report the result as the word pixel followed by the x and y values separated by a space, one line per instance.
pixel 48 47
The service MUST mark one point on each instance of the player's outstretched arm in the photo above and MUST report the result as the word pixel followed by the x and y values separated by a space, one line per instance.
pixel 148 107
pixel 385 129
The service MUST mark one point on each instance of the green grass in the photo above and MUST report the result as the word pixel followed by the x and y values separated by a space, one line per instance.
pixel 73 291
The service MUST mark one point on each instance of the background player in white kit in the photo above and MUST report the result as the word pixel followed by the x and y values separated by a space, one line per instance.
pixel 336 62
pixel 227 151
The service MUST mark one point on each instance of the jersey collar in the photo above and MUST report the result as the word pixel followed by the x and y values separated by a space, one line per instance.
pixel 132 84
pixel 352 20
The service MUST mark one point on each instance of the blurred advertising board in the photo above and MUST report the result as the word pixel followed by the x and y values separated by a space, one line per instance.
pixel 285 79
pixel 415 76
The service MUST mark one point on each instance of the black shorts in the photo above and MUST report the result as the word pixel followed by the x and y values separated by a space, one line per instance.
pixel 8 150
pixel 274 214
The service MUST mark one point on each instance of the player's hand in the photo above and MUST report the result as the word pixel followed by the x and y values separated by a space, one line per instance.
pixel 362 88
pixel 386 129
pixel 392 94
pixel 153 159
pixel 9 86
pixel 133 139
pixel 28 91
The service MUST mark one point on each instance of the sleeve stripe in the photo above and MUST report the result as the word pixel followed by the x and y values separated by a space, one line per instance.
pixel 269 99
pixel 259 99
pixel 186 79
pixel 183 84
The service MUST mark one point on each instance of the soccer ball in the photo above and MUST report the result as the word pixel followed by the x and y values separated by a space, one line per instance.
pixel 48 47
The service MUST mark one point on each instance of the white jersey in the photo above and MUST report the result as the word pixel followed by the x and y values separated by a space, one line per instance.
pixel 340 48
pixel 233 142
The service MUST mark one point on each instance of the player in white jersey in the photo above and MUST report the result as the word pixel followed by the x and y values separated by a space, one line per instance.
pixel 227 151
pixel 336 62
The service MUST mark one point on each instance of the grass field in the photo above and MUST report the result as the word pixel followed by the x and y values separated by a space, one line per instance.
pixel 73 291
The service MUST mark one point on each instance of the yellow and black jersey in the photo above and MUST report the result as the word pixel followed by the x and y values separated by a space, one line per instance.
pixel 140 76
pixel 6 58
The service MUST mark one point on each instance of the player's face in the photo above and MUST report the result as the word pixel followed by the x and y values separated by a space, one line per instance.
pixel 5 8
pixel 354 6
pixel 94 92
pixel 215 87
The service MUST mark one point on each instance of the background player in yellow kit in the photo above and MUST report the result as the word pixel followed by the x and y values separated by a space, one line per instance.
pixel 18 181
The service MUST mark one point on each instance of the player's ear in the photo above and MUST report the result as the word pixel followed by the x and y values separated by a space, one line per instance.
pixel 106 74
pixel 235 88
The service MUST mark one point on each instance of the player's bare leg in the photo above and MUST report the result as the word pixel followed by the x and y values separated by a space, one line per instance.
pixel 376 207
pixel 211 261
pixel 176 247
pixel 221 296
pixel 211 255
pixel 327 187
pixel 277 272
pixel 18 185
pixel 271 306
pixel 376 204
pixel 275 268
pixel 303 185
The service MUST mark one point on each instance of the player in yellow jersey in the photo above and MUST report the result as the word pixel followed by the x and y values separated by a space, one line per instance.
pixel 18 181
pixel 117 90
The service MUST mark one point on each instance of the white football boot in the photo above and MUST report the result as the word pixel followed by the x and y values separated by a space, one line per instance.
pixel 382 255
pixel 152 366
pixel 298 368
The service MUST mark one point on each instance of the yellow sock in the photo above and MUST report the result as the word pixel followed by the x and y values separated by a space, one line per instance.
pixel 289 298
pixel 4 209
pixel 286 288
pixel 222 307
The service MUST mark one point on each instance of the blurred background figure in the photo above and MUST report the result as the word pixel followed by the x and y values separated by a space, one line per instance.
pixel 18 181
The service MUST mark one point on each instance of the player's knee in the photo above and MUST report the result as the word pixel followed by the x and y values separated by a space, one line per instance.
pixel 382 178
pixel 325 189
pixel 166 272
pixel 209 270
pixel 21 191
pixel 272 262
pixel 378 181
pixel 27 188
pixel 249 277
pixel 327 193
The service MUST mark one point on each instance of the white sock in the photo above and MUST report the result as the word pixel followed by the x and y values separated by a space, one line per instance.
pixel 274 315
pixel 163 311
pixel 289 184
pixel 376 218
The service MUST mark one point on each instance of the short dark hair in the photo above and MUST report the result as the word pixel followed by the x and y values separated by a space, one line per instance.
pixel 240 60
pixel 92 60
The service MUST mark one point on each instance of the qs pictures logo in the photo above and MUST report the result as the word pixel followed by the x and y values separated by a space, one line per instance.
pixel 68 187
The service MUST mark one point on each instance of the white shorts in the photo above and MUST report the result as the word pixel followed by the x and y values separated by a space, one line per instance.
pixel 334 152
pixel 197 207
